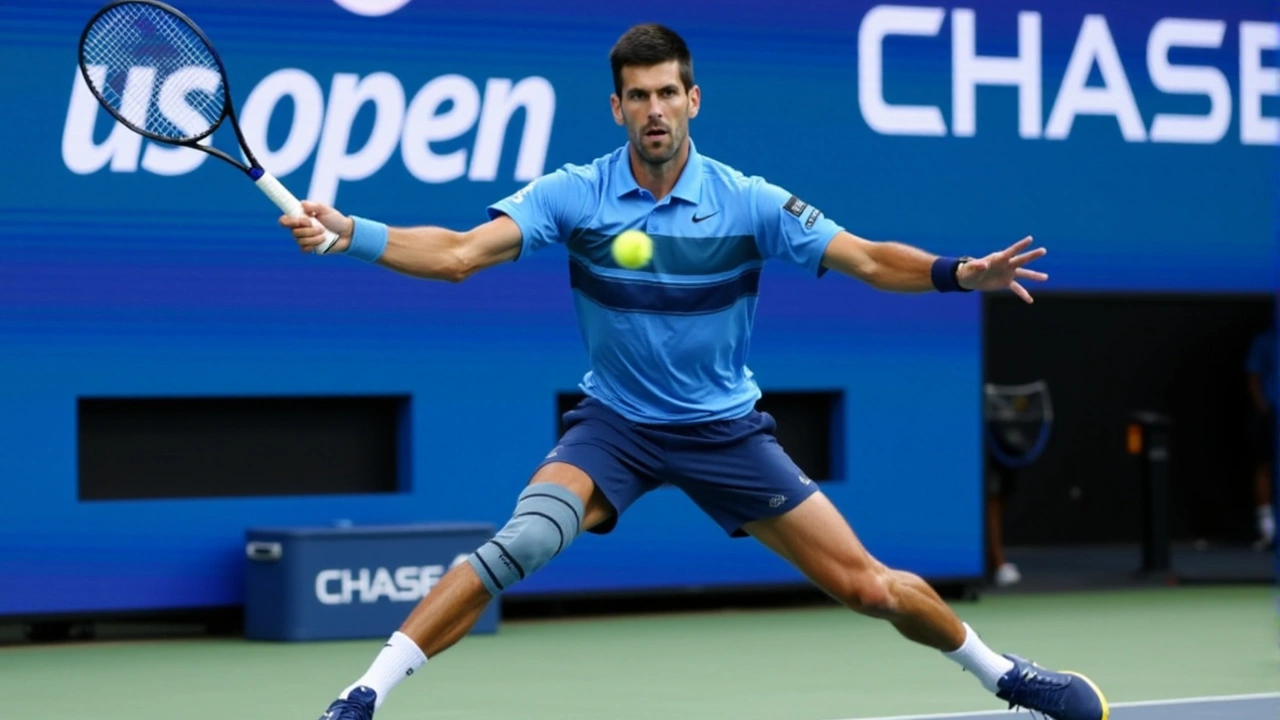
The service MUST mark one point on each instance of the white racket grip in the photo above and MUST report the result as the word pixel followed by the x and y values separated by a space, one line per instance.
pixel 289 205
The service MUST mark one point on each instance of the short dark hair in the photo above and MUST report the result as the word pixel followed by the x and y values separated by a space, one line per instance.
pixel 648 45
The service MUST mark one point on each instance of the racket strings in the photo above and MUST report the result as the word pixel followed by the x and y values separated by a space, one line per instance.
pixel 155 71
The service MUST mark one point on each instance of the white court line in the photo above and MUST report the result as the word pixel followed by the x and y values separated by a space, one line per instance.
pixel 1134 703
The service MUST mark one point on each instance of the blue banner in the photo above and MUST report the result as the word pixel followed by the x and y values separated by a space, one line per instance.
pixel 1138 144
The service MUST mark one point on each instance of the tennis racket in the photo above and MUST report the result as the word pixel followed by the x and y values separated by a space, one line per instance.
pixel 189 94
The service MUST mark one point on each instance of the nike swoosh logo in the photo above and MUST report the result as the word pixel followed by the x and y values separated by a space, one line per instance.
pixel 704 217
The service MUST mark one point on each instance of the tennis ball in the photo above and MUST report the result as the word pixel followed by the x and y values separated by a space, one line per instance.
pixel 632 249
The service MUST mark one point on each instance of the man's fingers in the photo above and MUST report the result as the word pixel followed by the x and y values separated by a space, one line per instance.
pixel 307 231
pixel 1026 274
pixel 314 208
pixel 1017 247
pixel 1020 292
pixel 309 238
pixel 1027 257
pixel 301 224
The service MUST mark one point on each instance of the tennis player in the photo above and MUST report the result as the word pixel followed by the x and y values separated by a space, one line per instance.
pixel 669 397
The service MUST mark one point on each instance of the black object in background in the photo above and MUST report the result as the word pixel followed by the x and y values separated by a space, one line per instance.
pixel 1107 355
pixel 150 448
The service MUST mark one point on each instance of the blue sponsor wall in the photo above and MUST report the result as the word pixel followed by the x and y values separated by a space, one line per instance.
pixel 1139 146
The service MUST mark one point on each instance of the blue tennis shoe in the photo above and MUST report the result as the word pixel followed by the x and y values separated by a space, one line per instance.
pixel 1058 695
pixel 358 705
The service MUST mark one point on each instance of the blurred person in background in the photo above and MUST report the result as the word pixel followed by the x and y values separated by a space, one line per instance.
pixel 1018 422
pixel 1260 368
pixel 1001 483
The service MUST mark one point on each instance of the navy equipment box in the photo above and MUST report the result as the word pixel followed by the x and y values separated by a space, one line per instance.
pixel 331 583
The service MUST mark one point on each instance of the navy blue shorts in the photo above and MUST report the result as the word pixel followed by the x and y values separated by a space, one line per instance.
pixel 734 470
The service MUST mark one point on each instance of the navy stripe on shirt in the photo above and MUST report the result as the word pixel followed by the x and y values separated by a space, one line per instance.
pixel 673 255
pixel 627 295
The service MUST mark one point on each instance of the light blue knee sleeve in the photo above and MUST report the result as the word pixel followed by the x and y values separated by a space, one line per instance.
pixel 547 518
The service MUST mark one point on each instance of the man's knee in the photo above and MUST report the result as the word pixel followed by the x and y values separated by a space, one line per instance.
pixel 546 520
pixel 597 508
pixel 867 591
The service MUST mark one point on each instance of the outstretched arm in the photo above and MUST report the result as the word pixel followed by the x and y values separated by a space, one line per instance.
pixel 899 267
pixel 429 252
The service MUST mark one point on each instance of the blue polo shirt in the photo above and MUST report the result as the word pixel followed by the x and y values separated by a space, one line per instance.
pixel 668 343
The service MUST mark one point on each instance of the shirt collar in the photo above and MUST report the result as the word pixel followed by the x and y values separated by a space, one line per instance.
pixel 688 187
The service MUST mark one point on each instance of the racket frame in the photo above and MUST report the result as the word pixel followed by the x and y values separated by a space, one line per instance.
pixel 265 181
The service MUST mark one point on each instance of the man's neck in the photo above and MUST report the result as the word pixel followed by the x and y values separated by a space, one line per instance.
pixel 659 180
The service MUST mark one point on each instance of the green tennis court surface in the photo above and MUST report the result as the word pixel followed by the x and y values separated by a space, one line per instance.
pixel 1261 706
pixel 1140 646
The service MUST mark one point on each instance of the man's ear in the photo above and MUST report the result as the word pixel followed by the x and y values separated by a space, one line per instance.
pixel 616 104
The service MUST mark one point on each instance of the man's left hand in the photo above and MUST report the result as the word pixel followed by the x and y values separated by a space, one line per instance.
pixel 1003 269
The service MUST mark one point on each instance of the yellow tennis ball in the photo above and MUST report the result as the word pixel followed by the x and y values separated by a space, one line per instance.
pixel 632 249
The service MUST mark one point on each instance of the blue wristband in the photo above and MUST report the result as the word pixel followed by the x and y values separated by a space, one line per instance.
pixel 368 239
pixel 943 274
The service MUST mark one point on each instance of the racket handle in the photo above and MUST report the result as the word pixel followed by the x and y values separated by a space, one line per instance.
pixel 290 206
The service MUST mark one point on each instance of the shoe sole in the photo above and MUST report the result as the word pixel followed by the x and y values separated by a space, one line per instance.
pixel 1106 709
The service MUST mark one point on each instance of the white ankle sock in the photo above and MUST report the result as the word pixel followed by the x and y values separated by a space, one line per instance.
pixel 399 659
pixel 973 655
pixel 1266 522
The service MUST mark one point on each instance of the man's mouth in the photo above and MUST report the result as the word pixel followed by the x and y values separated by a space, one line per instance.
pixel 655 133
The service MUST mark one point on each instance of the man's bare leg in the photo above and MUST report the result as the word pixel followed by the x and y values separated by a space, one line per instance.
pixel 819 542
pixel 446 614
pixel 816 539
pixel 453 606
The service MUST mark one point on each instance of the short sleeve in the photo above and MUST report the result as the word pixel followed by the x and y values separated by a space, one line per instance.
pixel 549 208
pixel 788 228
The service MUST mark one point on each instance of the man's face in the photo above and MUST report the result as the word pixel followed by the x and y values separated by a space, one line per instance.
pixel 655 109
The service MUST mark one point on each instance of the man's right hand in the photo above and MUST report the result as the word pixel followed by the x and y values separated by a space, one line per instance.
pixel 308 231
